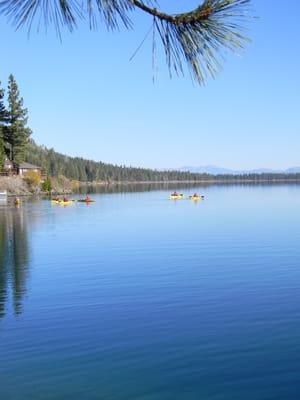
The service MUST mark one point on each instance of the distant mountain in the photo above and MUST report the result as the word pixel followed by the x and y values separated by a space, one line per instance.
pixel 215 170
pixel 293 170
pixel 207 169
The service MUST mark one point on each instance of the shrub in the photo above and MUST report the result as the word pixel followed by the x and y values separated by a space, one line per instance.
pixel 33 178
pixel 46 185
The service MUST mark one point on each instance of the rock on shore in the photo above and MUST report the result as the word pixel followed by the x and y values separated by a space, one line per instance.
pixel 18 186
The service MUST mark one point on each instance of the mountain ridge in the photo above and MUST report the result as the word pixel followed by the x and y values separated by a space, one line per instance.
pixel 216 170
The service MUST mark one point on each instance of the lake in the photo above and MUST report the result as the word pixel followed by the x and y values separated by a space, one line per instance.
pixel 140 297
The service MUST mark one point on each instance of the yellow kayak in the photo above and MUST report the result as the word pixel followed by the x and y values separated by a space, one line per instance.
pixel 176 197
pixel 62 203
pixel 196 198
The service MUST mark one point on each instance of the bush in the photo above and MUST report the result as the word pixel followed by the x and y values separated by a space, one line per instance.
pixel 46 185
pixel 33 178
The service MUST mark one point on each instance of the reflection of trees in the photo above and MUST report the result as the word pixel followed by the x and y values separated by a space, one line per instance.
pixel 14 257
pixel 140 187
pixel 149 187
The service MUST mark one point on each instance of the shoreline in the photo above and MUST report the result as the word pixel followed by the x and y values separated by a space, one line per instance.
pixel 16 186
pixel 210 181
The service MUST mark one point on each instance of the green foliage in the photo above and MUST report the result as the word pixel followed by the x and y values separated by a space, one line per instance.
pixel 46 185
pixel 75 168
pixel 3 118
pixel 3 111
pixel 15 132
pixel 2 153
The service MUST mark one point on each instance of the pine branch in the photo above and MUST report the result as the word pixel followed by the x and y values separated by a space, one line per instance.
pixel 201 12
pixel 198 37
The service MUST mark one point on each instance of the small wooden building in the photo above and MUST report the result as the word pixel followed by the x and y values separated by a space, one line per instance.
pixel 8 165
pixel 9 168
pixel 25 167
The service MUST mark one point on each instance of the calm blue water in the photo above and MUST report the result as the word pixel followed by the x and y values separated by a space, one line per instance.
pixel 139 297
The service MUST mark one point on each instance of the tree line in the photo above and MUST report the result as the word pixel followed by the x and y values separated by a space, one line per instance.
pixel 14 133
pixel 77 168
pixel 55 164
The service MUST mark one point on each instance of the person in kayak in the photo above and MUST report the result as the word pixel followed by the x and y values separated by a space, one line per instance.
pixel 65 199
pixel 87 198
pixel 174 194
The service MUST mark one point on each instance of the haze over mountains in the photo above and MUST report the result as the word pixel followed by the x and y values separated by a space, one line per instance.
pixel 215 170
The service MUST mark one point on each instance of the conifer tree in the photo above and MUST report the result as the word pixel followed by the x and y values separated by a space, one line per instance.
pixel 16 133
pixel 2 152
pixel 3 120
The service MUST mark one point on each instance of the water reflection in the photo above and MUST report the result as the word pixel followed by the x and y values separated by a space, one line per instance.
pixel 139 187
pixel 14 258
pixel 171 186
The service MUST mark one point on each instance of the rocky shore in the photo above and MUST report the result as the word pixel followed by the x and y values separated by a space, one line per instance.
pixel 18 186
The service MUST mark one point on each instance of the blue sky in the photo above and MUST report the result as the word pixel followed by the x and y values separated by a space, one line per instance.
pixel 86 98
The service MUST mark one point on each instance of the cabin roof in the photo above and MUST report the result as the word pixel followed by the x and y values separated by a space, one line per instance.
pixel 25 165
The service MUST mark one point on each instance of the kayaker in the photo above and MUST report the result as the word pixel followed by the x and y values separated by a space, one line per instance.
pixel 65 200
pixel 87 198
pixel 174 194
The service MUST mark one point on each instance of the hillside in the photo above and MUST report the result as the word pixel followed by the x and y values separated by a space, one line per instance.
pixel 54 164
pixel 76 168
